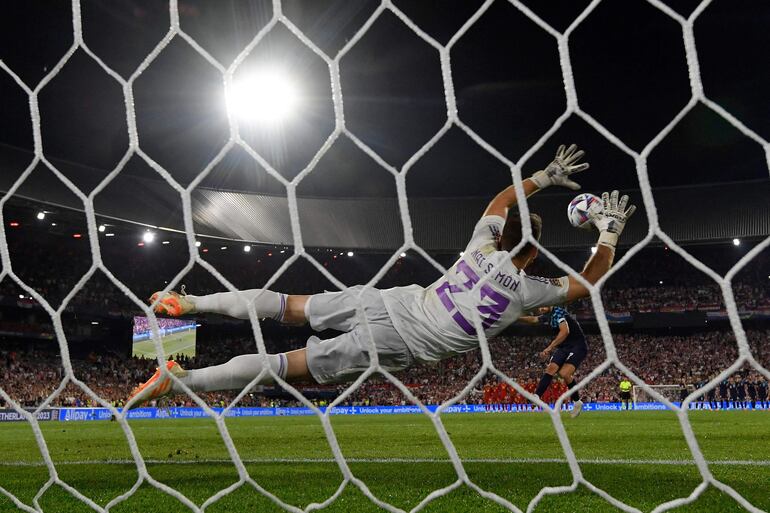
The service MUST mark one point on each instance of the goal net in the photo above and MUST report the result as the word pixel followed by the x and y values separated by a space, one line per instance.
pixel 453 119
pixel 651 393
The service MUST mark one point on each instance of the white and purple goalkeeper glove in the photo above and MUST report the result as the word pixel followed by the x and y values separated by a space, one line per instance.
pixel 558 171
pixel 612 219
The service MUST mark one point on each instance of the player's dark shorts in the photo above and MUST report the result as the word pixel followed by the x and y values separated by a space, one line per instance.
pixel 574 354
pixel 625 396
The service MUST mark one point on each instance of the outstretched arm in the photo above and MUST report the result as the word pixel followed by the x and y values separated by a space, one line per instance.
pixel 529 319
pixel 610 223
pixel 506 199
pixel 557 173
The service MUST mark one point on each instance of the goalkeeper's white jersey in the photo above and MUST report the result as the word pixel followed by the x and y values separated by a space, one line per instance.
pixel 437 321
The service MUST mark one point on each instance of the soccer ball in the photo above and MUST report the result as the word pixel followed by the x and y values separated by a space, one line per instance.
pixel 580 208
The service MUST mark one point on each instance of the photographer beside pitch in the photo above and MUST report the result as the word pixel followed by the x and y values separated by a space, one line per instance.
pixel 410 324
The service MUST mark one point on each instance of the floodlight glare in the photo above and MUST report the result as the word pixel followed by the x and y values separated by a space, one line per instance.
pixel 41 215
pixel 148 237
pixel 247 248
pixel 350 253
pixel 268 96
pixel 102 228
pixel 736 242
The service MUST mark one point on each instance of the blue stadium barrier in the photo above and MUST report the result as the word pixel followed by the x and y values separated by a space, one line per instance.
pixel 69 414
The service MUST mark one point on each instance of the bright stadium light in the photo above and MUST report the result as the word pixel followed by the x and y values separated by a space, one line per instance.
pixel 247 248
pixel 736 242
pixel 403 255
pixel 102 228
pixel 350 253
pixel 41 215
pixel 593 250
pixel 148 237
pixel 267 96
pixel 197 243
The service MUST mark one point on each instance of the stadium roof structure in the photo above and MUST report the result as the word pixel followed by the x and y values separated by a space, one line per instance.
pixel 704 213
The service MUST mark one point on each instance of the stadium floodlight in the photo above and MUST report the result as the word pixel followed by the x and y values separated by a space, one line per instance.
pixel 266 97
pixel 197 243
pixel 403 255
pixel 462 253
pixel 21 296
pixel 593 250
pixel 350 253
pixel 41 215
pixel 102 228
pixel 736 242
pixel 246 248
pixel 148 237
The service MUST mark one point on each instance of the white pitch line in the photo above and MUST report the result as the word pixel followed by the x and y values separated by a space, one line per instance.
pixel 755 463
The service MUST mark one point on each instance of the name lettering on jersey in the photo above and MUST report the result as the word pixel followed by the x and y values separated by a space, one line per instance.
pixel 504 279
pixel 481 261
pixel 507 281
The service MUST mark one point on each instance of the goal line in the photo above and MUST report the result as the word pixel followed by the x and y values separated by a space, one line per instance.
pixel 534 461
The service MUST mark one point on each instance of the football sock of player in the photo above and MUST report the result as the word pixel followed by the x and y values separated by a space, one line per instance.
pixel 269 304
pixel 543 385
pixel 235 374
pixel 575 396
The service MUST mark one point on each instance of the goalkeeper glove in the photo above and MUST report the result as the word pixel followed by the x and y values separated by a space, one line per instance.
pixel 558 171
pixel 612 219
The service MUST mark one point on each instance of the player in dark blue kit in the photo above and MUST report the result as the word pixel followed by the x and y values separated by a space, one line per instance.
pixel 565 352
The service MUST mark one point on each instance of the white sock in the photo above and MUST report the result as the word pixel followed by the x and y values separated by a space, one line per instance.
pixel 269 304
pixel 235 374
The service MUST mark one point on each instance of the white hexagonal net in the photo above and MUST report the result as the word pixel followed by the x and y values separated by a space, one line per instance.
pixel 453 119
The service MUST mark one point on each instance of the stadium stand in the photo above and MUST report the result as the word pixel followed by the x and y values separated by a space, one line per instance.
pixel 658 359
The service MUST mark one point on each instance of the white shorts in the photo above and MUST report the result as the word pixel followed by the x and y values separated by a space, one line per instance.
pixel 345 357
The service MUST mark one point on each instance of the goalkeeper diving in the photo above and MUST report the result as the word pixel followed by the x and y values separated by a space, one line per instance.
pixel 408 325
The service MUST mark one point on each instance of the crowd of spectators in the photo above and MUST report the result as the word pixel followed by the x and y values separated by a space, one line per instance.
pixel 654 279
pixel 142 324
pixel 31 375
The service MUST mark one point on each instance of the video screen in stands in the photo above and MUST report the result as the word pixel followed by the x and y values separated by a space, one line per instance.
pixel 177 337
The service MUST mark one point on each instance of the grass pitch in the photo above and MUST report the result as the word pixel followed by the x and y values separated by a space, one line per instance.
pixel 182 342
pixel 641 458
